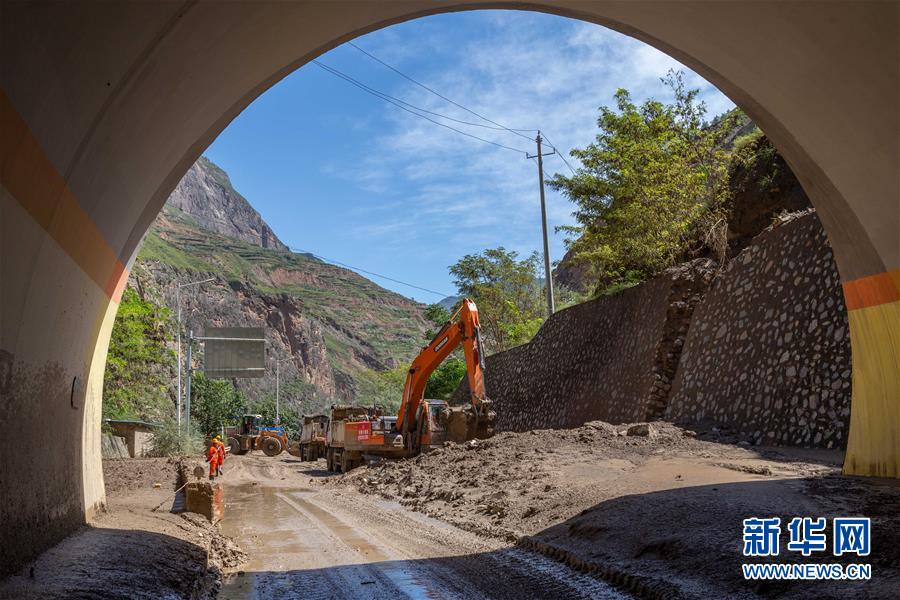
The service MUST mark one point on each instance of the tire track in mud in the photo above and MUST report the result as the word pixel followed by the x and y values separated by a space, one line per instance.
pixel 321 543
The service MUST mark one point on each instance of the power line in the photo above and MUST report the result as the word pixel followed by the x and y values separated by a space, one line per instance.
pixel 322 258
pixel 561 155
pixel 441 96
pixel 337 262
pixel 386 96
pixel 457 104
pixel 400 104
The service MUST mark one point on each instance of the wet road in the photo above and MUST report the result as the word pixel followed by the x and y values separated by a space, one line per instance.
pixel 306 541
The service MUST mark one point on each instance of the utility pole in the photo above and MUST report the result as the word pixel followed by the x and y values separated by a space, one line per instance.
pixel 178 340
pixel 278 388
pixel 187 403
pixel 548 278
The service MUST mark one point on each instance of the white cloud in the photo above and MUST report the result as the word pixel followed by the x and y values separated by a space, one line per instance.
pixel 529 72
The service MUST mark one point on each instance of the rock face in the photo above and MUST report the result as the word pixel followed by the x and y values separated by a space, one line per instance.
pixel 206 194
pixel 760 189
pixel 765 352
pixel 768 353
pixel 326 323
pixel 571 275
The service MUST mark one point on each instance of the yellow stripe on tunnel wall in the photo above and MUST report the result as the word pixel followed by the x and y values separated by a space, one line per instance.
pixel 30 177
pixel 873 447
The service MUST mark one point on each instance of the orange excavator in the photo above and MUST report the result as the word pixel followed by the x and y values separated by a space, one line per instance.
pixel 421 423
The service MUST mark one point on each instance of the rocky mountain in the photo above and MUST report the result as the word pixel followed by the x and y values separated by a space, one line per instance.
pixel 206 194
pixel 325 324
pixel 450 302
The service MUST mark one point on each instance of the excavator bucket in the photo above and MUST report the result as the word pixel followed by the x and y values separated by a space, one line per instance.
pixel 466 423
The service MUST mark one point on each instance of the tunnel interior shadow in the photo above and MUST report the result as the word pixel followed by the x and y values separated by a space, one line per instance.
pixel 101 563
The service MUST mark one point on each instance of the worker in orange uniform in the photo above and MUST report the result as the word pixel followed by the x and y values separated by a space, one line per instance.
pixel 220 447
pixel 212 457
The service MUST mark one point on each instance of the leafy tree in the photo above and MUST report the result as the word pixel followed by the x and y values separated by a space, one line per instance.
pixel 437 314
pixel 139 363
pixel 384 388
pixel 169 440
pixel 445 379
pixel 214 403
pixel 507 292
pixel 649 187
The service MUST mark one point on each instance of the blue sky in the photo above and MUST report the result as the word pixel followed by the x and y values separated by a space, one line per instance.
pixel 347 176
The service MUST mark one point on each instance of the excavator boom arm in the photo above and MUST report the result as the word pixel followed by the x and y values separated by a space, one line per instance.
pixel 464 329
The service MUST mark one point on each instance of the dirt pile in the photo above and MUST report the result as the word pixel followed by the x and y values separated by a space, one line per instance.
pixel 516 483
pixel 124 475
pixel 650 506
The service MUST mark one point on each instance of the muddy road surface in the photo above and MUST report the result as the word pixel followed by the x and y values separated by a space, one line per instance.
pixel 311 541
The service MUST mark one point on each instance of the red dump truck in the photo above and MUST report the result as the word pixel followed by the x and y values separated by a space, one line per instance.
pixel 355 431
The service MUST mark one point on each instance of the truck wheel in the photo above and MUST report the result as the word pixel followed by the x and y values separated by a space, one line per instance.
pixel 346 462
pixel 271 446
pixel 234 445
pixel 329 459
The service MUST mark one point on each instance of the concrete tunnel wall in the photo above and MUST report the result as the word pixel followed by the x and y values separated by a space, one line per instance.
pixel 104 106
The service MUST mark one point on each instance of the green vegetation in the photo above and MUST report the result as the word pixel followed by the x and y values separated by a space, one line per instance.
pixel 507 292
pixel 384 388
pixel 358 316
pixel 167 440
pixel 436 315
pixel 214 404
pixel 650 187
pixel 445 379
pixel 139 363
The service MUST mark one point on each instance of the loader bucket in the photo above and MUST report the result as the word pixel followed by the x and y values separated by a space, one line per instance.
pixel 294 448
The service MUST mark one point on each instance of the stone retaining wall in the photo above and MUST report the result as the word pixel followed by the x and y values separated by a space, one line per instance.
pixel 765 353
pixel 768 354
pixel 611 358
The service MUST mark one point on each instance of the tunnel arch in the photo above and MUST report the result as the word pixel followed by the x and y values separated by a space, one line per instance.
pixel 104 108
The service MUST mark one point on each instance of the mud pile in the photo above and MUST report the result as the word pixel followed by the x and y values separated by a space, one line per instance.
pixel 651 507
pixel 122 475
pixel 516 483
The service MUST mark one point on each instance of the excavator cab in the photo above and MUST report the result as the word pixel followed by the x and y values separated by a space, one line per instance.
pixel 431 424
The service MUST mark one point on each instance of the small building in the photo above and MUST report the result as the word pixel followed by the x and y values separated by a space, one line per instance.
pixel 137 435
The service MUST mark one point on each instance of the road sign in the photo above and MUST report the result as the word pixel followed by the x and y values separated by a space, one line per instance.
pixel 234 352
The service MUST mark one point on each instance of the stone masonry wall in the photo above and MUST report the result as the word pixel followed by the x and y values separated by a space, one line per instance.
pixel 759 349
pixel 768 354
pixel 611 359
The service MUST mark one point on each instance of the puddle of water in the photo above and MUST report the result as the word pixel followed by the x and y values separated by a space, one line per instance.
pixel 409 581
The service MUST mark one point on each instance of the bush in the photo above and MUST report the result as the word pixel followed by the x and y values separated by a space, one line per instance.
pixel 167 440
pixel 139 364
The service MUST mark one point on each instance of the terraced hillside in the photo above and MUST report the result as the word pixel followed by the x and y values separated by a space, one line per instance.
pixel 327 324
